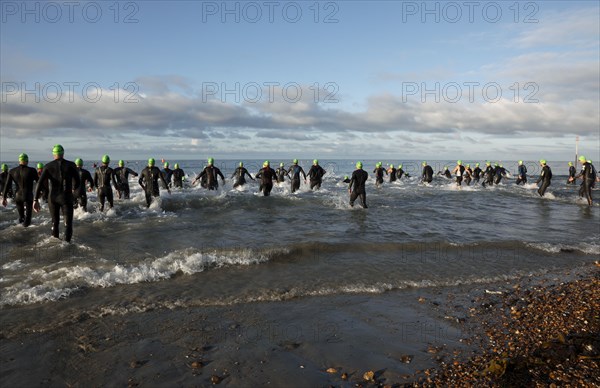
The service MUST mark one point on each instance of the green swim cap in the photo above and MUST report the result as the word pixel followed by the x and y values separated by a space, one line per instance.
pixel 445 167
pixel 496 164
pixel 176 166
pixel 4 167
pixel 58 150
pixel 391 166
pixel 459 162
pixel 105 159
pixel 542 161
pixel 166 164
pixel 346 177
pixel 488 163
pixel 589 161
pixel 281 164
pixel 121 163
pixel 315 161
pixel 424 163
pixel 78 162
pixel 211 160
pixel 23 157
pixel 266 163
pixel 582 158
pixel 241 164
pixel 468 165
pixel 520 162
pixel 151 162
pixel 570 163
pixel 40 165
pixel 501 166
pixel 399 166
pixel 358 164
pixel 295 161
pixel 476 164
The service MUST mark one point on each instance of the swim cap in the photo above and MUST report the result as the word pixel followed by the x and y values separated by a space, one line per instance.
pixel 281 164
pixel 424 163
pixel 391 166
pixel 542 161
pixel 496 164
pixel 520 162
pixel 40 165
pixel 346 177
pixel 399 166
pixel 358 164
pixel 121 163
pixel 176 166
pixel 488 163
pixel 241 164
pixel 501 166
pixel 4 167
pixel 266 163
pixel 211 160
pixel 445 167
pixel 58 150
pixel 582 158
pixel 78 162
pixel 151 162
pixel 476 164
pixel 570 163
pixel 459 162
pixel 589 161
pixel 105 159
pixel 315 161
pixel 468 165
pixel 23 157
pixel 295 161
pixel 166 164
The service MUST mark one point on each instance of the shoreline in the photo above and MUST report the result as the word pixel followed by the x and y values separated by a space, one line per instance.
pixel 438 336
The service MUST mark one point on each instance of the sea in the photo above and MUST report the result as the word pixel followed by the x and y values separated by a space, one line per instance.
pixel 231 247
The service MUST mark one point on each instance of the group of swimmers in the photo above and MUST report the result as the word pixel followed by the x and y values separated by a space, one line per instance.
pixel 64 184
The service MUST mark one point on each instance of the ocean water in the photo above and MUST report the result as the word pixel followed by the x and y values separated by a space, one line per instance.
pixel 234 246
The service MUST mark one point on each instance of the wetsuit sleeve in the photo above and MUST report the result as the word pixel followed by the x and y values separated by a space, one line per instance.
pixel 141 180
pixel 132 172
pixel 303 173
pixel 40 184
pixel 352 181
pixel 88 178
pixel 219 173
pixel 7 184
pixel 114 179
pixel 247 173
pixel 76 179
pixel 232 175
pixel 96 178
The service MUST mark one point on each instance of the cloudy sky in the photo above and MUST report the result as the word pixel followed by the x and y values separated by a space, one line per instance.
pixel 332 79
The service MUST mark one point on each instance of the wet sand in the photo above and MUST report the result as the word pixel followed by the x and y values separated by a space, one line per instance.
pixel 449 336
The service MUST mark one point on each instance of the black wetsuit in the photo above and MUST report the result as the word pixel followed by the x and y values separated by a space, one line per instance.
pixel 3 180
pixel 266 176
pixel 468 175
pixel 347 180
pixel 315 175
pixel 80 195
pixel 122 178
pixel 445 173
pixel 281 174
pixel 178 175
pixel 379 171
pixel 588 175
pixel 103 177
pixel 522 178
pixel 392 174
pixel 24 177
pixel 240 176
pixel 459 174
pixel 545 178
pixel 168 173
pixel 399 173
pixel 357 187
pixel 64 179
pixel 500 173
pixel 572 172
pixel 295 171
pixel 476 174
pixel 149 181
pixel 211 173
pixel 488 176
pixel 45 189
pixel 427 174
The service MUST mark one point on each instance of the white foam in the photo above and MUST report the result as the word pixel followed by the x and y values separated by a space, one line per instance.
pixel 53 284
pixel 584 247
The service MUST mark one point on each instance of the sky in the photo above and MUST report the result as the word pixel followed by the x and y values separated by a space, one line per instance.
pixel 327 79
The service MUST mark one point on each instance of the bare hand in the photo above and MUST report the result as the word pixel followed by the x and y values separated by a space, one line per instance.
pixel 36 206
pixel 4 202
